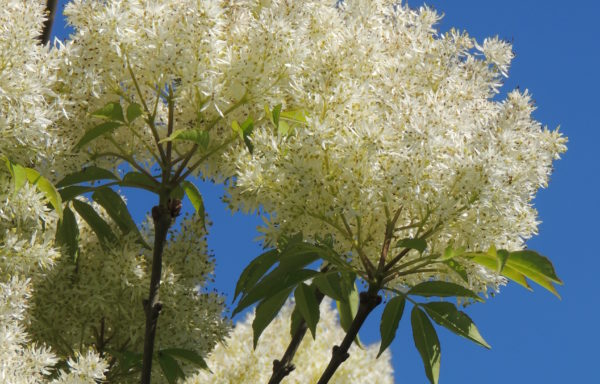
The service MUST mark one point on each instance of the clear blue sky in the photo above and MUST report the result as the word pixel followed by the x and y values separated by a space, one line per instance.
pixel 535 337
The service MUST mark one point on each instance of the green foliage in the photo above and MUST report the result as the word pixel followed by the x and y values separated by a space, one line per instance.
pixel 97 131
pixel 22 174
pixel 96 222
pixel 139 180
pixel 196 199
pixel 390 319
pixel 197 136
pixel 266 311
pixel 442 289
pixel 170 367
pixel 87 174
pixel 448 316
pixel 418 244
pixel 308 306
pixel 67 234
pixel 134 111
pixel 255 270
pixel 110 111
pixel 427 343
pixel 244 131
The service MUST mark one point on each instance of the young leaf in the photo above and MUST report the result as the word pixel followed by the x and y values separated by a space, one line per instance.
pixel 17 172
pixel 97 223
pixel 295 116
pixel 91 173
pixel 535 267
pixel 283 128
pixel 188 355
pixel 198 136
pixel 308 306
pixel 389 321
pixel 276 114
pixel 97 131
pixel 134 111
pixel 458 268
pixel 272 284
pixel 195 198
pixel 255 270
pixel 47 188
pixel 418 244
pixel 427 343
pixel 442 289
pixel 111 111
pixel 67 234
pixel 448 316
pixel 139 180
pixel 266 311
pixel 170 367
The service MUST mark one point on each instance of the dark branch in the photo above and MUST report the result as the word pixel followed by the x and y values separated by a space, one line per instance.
pixel 47 29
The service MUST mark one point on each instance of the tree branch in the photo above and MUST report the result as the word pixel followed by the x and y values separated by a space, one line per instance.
pixel 162 216
pixel 47 29
pixel 368 301
pixel 283 367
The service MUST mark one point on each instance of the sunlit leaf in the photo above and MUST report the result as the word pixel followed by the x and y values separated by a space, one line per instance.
pixel 47 188
pixel 196 199
pixel 255 270
pixel 448 316
pixel 198 136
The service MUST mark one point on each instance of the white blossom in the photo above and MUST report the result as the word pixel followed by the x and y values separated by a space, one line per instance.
pixel 235 362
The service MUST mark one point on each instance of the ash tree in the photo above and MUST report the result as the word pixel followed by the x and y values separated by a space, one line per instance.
pixel 373 146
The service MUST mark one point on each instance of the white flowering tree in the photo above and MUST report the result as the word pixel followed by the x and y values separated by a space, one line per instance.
pixel 370 142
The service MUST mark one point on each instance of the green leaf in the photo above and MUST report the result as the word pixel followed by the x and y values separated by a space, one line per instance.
pixel 198 136
pixel 276 114
pixel 196 199
pixel 448 316
pixel 134 111
pixel 67 234
pixel 427 343
pixel 307 304
pixel 91 173
pixel 127 361
pixel 97 131
pixel 72 191
pixel 177 193
pixel 296 319
pixel 255 270
pixel 329 284
pixel 111 111
pixel 188 355
pixel 442 289
pixel 117 210
pixel 95 221
pixel 272 285
pixel 348 308
pixel 296 116
pixel 17 172
pixel 418 244
pixel 535 267
pixel 458 268
pixel 47 188
pixel 139 180
pixel 490 263
pixel 389 321
pixel 266 311
pixel 283 128
pixel 170 367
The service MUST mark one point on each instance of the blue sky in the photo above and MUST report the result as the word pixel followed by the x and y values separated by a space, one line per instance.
pixel 535 337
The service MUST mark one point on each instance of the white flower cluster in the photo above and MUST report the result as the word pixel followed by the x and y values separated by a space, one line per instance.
pixel 97 300
pixel 28 108
pixel 235 362
pixel 399 118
